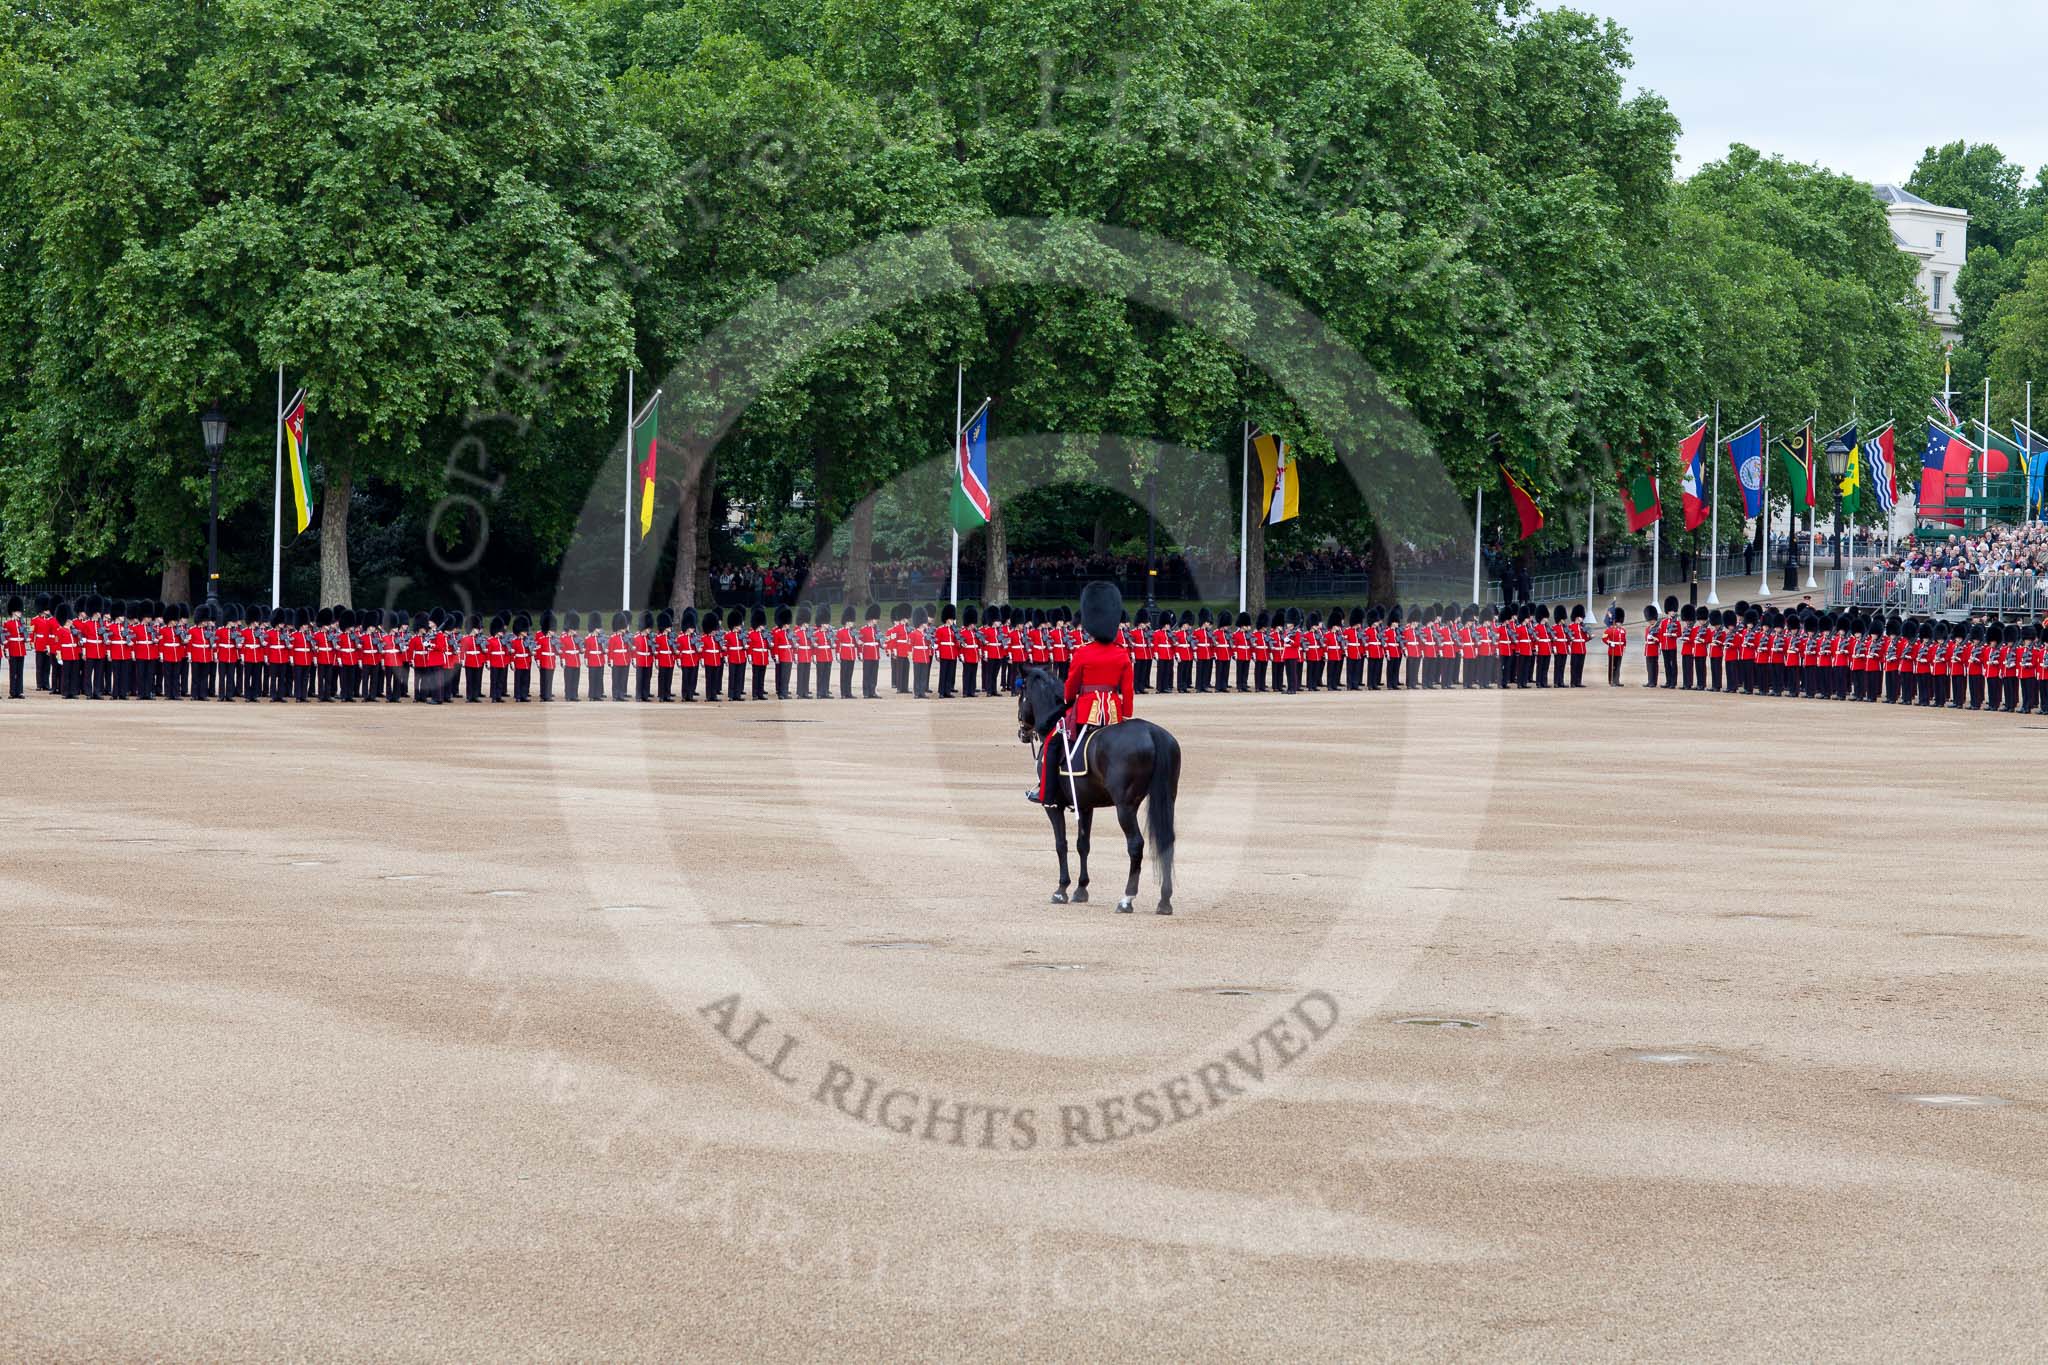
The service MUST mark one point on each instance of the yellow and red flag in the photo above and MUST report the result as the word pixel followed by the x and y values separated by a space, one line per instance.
pixel 1530 515
pixel 646 437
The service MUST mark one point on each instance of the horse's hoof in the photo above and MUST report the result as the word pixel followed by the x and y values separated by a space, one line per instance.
pixel 1059 898
pixel 1124 907
pixel 1080 898
pixel 1165 907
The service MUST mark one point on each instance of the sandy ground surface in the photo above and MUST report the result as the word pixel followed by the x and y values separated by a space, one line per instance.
pixel 396 1032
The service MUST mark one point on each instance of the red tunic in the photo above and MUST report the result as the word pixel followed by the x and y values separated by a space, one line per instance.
pixel 1104 673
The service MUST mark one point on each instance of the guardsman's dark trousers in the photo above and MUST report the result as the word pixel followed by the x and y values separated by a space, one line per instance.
pixel 803 680
pixel 947 669
pixel 619 682
pixel 846 679
pixel 781 681
pixel 1650 663
pixel 824 668
pixel 870 675
pixel 16 667
pixel 760 682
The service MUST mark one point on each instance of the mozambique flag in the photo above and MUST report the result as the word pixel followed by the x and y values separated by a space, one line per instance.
pixel 1283 484
pixel 1641 499
pixel 1798 452
pixel 1852 477
pixel 646 437
pixel 1525 506
pixel 295 453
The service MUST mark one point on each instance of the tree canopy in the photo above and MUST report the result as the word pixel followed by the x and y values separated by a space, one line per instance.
pixel 458 224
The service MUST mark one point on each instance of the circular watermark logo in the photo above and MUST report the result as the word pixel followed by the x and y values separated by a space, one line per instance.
pixel 705 955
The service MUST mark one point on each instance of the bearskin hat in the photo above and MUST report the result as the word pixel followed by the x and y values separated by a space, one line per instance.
pixel 874 612
pixel 1649 613
pixel 968 616
pixel 1578 611
pixel 1265 621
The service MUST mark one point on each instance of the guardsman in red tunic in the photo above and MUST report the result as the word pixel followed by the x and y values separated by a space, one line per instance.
pixel 917 644
pixel 1159 635
pixel 782 652
pixel 170 652
pixel 42 634
pixel 1138 643
pixel 618 655
pixel 946 646
pixel 760 652
pixel 896 644
pixel 64 650
pixel 870 644
pixel 1099 690
pixel 664 642
pixel 711 652
pixel 1616 636
pixel 800 648
pixel 688 658
pixel 845 652
pixel 16 636
pixel 992 652
pixel 641 645
pixel 970 650
pixel 519 645
pixel 593 656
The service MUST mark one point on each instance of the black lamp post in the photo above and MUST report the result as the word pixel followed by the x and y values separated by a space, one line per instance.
pixel 1151 518
pixel 1838 465
pixel 213 429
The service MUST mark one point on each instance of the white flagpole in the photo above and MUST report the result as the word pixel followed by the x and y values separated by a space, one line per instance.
pixel 1764 515
pixel 1478 510
pixel 1714 550
pixel 1244 515
pixel 959 425
pixel 626 524
pixel 277 506
pixel 1984 464
pixel 1592 503
pixel 2029 446
pixel 1811 456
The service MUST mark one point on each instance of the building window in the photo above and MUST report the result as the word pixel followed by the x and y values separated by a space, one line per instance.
pixel 1938 281
pixel 1939 238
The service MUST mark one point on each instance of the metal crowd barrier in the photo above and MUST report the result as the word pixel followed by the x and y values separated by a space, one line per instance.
pixel 2008 596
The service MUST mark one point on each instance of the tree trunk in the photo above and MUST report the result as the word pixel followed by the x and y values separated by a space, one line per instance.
pixel 1255 565
pixel 707 503
pixel 1382 590
pixel 177 581
pixel 1099 543
pixel 995 574
pixel 334 579
pixel 690 570
pixel 860 553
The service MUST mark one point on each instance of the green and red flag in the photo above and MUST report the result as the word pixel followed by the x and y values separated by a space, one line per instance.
pixel 1642 499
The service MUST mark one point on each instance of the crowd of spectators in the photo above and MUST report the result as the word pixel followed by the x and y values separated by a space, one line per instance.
pixel 2000 568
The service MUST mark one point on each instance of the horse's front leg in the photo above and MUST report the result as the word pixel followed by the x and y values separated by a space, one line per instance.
pixel 1085 818
pixel 1059 842
pixel 1134 843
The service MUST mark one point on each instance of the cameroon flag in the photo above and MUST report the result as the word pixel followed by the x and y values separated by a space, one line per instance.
pixel 647 437
pixel 295 452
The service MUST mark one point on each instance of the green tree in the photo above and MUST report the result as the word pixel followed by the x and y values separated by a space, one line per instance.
pixel 404 205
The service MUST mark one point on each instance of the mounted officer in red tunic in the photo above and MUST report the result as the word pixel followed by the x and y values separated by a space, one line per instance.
pixel 1099 683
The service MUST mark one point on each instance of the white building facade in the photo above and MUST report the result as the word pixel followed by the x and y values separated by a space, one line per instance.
pixel 1940 239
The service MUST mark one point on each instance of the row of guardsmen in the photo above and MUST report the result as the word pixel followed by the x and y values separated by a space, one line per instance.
pixel 1848 656
pixel 111 648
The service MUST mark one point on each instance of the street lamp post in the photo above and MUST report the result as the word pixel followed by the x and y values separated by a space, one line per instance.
pixel 1838 465
pixel 213 429
pixel 1151 518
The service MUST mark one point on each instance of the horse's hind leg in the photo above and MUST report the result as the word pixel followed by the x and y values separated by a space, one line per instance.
pixel 1134 843
pixel 1058 817
pixel 1085 817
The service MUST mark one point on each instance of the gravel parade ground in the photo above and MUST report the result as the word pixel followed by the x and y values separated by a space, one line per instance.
pixel 1587 1025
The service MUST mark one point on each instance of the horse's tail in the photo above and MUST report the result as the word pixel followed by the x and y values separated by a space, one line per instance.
pixel 1159 803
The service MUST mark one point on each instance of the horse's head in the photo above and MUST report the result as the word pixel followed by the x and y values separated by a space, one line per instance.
pixel 1040 701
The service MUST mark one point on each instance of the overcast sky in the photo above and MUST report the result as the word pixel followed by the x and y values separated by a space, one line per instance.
pixel 1859 86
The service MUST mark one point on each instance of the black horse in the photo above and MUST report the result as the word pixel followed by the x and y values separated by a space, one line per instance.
pixel 1127 764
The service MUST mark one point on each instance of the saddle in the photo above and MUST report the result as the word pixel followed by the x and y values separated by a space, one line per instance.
pixel 1076 754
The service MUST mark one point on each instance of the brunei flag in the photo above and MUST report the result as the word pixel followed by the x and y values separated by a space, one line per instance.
pixel 294 420
pixel 646 439
pixel 1525 506
pixel 1282 482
